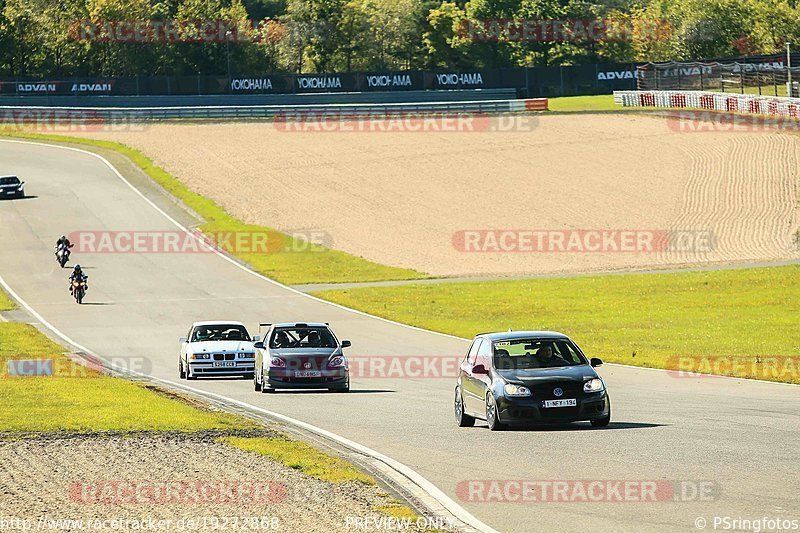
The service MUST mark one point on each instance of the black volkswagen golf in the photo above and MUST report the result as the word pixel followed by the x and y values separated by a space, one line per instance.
pixel 526 378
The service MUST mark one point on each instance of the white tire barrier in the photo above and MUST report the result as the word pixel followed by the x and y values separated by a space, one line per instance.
pixel 741 103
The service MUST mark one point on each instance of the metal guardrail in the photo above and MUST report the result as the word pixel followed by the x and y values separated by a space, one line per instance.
pixel 740 103
pixel 377 97
pixel 20 114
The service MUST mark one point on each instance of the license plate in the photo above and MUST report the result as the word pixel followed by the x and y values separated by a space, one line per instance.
pixel 561 403
pixel 224 363
pixel 308 374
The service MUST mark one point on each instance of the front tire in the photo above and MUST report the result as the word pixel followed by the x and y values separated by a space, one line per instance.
pixel 181 371
pixel 462 419
pixel 492 418
pixel 602 422
pixel 256 384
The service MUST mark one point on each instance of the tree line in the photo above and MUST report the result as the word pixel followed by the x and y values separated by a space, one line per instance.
pixel 60 38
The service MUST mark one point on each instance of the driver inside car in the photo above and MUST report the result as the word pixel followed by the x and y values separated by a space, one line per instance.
pixel 545 357
pixel 314 339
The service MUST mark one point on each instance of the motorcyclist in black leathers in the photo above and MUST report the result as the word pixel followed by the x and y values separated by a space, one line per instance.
pixel 65 242
pixel 78 275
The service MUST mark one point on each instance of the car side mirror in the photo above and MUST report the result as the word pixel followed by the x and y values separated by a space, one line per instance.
pixel 259 345
pixel 256 338
pixel 595 361
pixel 182 340
pixel 21 183
pixel 346 344
pixel 480 370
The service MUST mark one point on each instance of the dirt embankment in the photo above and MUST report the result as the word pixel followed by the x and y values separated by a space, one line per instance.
pixel 559 183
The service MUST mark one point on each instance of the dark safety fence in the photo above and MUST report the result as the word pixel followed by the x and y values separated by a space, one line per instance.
pixel 528 82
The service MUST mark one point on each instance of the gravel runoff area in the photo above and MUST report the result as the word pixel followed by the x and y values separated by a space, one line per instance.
pixel 192 483
pixel 406 198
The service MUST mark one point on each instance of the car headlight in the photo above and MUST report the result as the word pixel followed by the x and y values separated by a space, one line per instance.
pixel 277 362
pixel 245 355
pixel 593 385
pixel 201 356
pixel 336 361
pixel 516 390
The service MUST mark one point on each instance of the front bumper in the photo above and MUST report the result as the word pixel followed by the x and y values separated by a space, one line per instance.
pixel 527 411
pixel 11 192
pixel 207 368
pixel 281 378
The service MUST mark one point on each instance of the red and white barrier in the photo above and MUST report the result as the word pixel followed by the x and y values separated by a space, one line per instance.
pixel 529 104
pixel 742 103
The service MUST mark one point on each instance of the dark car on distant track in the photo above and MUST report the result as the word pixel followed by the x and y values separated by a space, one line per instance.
pixel 301 355
pixel 528 378
pixel 11 186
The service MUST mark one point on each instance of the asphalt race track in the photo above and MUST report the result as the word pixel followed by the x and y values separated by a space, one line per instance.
pixel 741 436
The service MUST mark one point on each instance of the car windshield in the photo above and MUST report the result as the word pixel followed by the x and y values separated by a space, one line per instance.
pixel 302 337
pixel 9 180
pixel 220 332
pixel 536 353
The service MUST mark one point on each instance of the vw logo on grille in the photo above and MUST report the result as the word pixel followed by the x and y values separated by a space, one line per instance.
pixel 306 365
pixel 558 392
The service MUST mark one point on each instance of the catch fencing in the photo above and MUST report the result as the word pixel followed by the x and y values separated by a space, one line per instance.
pixel 767 77
pixel 726 102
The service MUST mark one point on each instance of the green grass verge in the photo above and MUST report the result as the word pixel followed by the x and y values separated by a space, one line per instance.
pixel 599 102
pixel 288 260
pixel 78 399
pixel 637 319
pixel 5 302
pixel 302 457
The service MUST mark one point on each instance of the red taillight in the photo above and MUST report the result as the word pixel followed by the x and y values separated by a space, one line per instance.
pixel 277 362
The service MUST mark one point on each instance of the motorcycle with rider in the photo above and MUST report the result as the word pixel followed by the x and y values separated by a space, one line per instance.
pixel 62 250
pixel 78 284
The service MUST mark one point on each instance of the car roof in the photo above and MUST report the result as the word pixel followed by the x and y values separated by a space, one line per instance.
pixel 218 323
pixel 515 335
pixel 9 176
pixel 295 324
